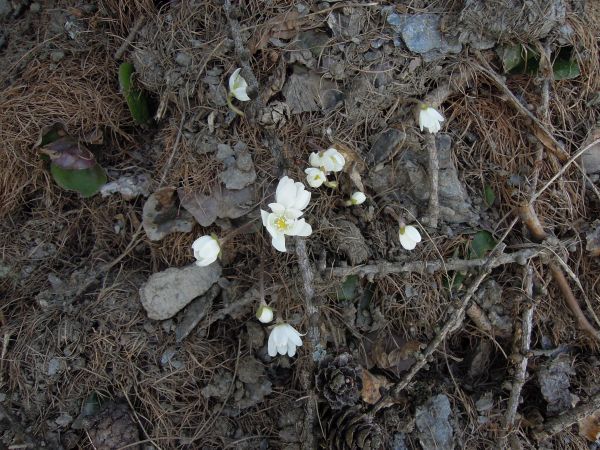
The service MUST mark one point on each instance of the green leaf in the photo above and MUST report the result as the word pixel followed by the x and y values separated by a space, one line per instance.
pixel 482 242
pixel 454 280
pixel 565 69
pixel 511 57
pixel 488 196
pixel 348 289
pixel 136 100
pixel 87 181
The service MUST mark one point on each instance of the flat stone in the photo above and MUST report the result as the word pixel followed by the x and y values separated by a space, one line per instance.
pixel 421 33
pixel 165 293
pixel 435 431
pixel 386 146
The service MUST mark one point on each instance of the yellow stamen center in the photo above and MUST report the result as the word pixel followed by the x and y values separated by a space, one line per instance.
pixel 281 223
pixel 402 230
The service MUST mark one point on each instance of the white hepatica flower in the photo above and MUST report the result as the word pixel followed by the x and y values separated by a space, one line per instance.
pixel 315 177
pixel 409 237
pixel 264 314
pixel 238 86
pixel 330 160
pixel 290 199
pixel 206 250
pixel 284 339
pixel 357 198
pixel 430 118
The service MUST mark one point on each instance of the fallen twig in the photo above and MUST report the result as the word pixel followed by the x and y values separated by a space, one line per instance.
pixel 385 267
pixel 520 356
pixel 569 418
pixel 452 324
pixel 130 37
pixel 434 169
pixel 313 337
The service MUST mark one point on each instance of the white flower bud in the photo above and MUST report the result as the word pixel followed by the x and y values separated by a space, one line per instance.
pixel 264 314
pixel 358 198
pixel 206 250
pixel 431 119
pixel 409 237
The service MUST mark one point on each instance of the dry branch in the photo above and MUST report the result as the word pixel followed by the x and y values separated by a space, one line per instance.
pixel 569 418
pixel 452 324
pixel 130 37
pixel 434 169
pixel 520 356
pixel 313 336
pixel 385 267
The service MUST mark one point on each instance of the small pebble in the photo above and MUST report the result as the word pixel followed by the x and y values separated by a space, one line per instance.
pixel 183 59
pixel 35 8
pixel 57 55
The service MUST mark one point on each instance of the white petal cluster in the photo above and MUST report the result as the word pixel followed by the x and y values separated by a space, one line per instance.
pixel 357 198
pixel 409 237
pixel 430 118
pixel 284 219
pixel 206 250
pixel 264 314
pixel 283 339
pixel 238 86
pixel 330 160
pixel 315 177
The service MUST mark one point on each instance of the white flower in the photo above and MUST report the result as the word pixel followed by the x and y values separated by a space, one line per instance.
pixel 290 199
pixel 315 177
pixel 357 198
pixel 284 339
pixel 206 250
pixel 429 118
pixel 238 86
pixel 409 237
pixel 329 161
pixel 264 314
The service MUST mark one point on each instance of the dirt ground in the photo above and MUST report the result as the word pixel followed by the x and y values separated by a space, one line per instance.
pixel 483 336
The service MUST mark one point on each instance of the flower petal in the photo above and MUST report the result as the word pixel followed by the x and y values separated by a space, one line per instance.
pixel 265 217
pixel 302 198
pixel 278 241
pixel 272 347
pixel 295 338
pixel 277 208
pixel 300 228
pixel 292 213
pixel 291 349
pixel 412 233
pixel 233 78
pixel 285 194
pixel 407 242
pixel 282 349
pixel 241 93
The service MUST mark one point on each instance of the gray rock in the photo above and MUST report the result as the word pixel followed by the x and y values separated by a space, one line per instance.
pixel 455 204
pixel 165 293
pixel 239 171
pixel 250 370
pixel 129 186
pixel 435 431
pixel 554 378
pixel 421 33
pixel 590 160
pixel 194 313
pixel 5 9
pixel 386 146
pixel 348 240
pixel 57 56
pixel 183 59
pixel 308 91
pixel 63 420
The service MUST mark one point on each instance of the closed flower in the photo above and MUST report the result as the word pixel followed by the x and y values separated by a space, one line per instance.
pixel 431 119
pixel 409 237
pixel 206 250
pixel 283 340
pixel 238 86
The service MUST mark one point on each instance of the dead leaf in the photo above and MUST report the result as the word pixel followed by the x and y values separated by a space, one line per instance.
pixel 372 384
pixel 354 166
pixel 221 203
pixel 68 153
pixel 589 427
pixel 389 352
pixel 162 215
pixel 590 159
pixel 283 26
pixel 593 240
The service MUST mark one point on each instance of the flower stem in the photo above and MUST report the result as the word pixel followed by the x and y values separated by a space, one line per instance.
pixel 236 110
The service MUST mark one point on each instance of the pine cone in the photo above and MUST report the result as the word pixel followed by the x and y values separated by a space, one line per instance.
pixel 350 429
pixel 113 428
pixel 340 380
